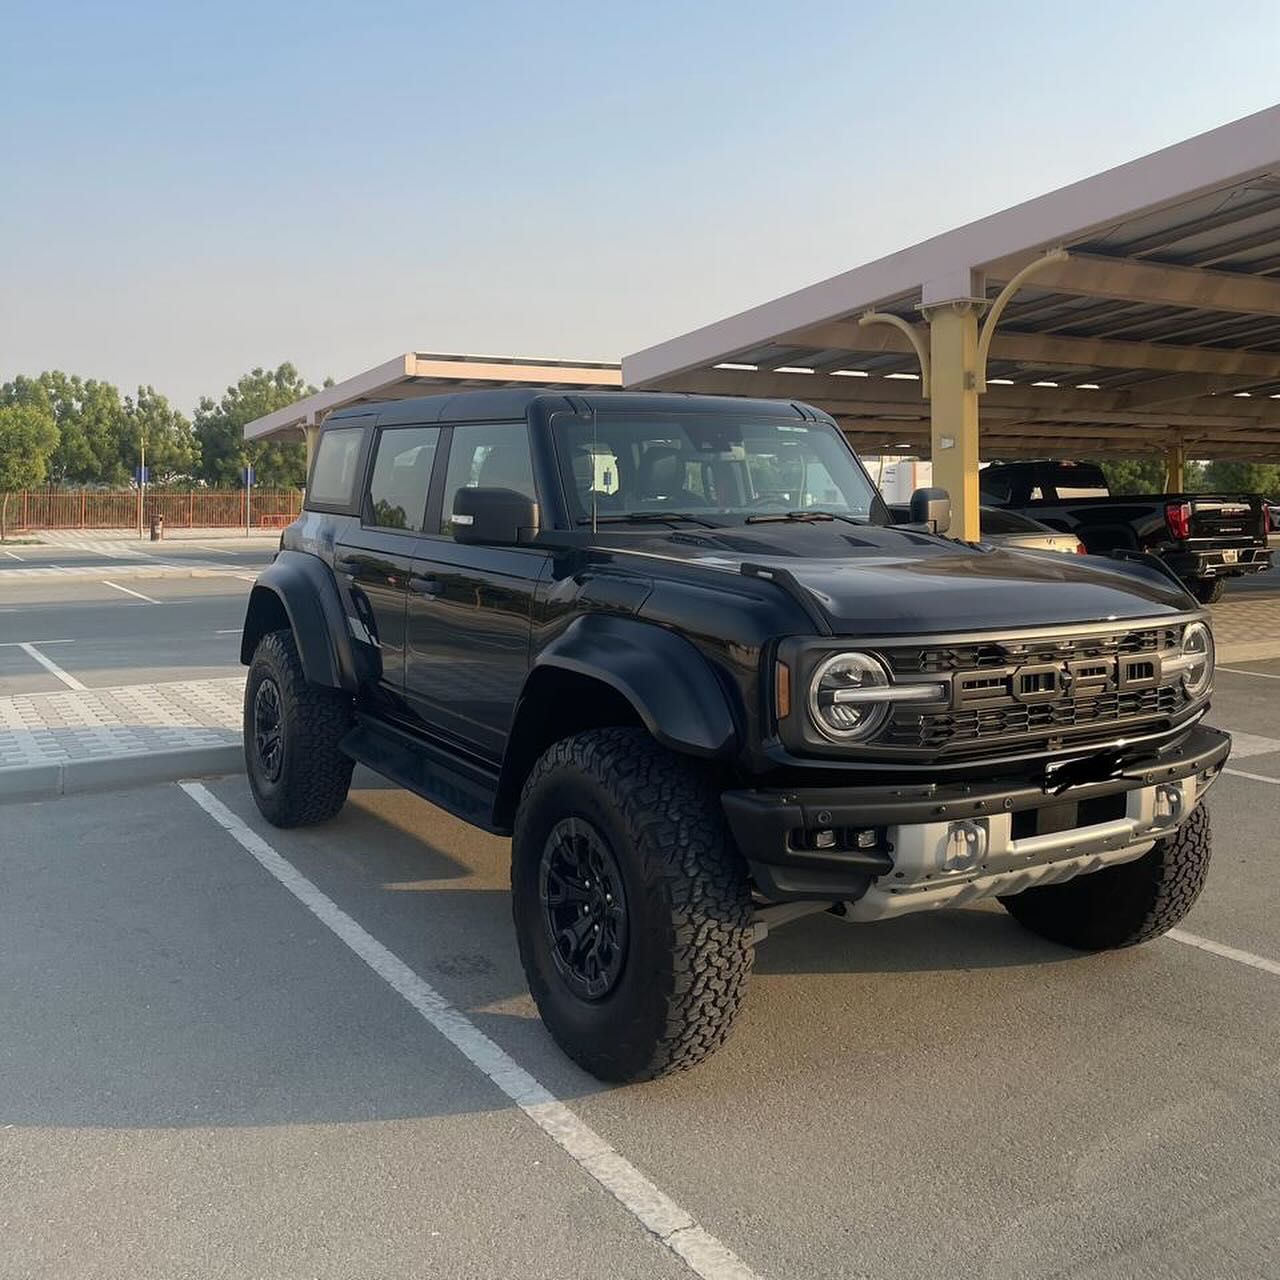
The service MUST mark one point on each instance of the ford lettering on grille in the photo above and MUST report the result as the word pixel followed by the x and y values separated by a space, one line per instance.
pixel 1073 679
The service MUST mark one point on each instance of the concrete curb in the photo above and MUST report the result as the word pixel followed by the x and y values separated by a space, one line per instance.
pixel 49 781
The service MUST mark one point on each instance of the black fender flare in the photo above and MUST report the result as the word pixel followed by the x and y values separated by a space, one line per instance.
pixel 673 688
pixel 304 586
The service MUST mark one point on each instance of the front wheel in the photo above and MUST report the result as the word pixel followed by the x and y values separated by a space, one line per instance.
pixel 1126 904
pixel 297 773
pixel 631 906
pixel 1208 590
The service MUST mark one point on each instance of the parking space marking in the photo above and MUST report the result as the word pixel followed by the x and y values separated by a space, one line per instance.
pixel 50 666
pixel 1227 953
pixel 129 591
pixel 11 556
pixel 1253 777
pixel 229 631
pixel 700 1251
pixel 1262 675
pixel 1251 744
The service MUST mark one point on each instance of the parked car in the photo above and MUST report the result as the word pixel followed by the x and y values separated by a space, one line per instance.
pixel 1204 538
pixel 1010 530
pixel 1273 513
pixel 676 649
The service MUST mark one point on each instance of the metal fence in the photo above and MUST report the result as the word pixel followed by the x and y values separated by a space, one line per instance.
pixel 118 509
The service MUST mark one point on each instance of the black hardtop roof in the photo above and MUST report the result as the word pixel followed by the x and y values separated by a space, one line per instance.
pixel 510 403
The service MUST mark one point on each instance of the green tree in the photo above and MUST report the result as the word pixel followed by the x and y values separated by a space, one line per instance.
pixel 173 452
pixel 1145 475
pixel 219 430
pixel 28 436
pixel 92 426
pixel 1243 477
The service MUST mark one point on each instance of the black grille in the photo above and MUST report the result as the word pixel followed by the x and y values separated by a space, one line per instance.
pixel 985 712
pixel 972 657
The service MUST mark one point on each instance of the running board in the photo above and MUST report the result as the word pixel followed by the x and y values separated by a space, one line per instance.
pixel 464 789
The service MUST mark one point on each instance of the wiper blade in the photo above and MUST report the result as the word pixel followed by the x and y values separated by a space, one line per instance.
pixel 651 517
pixel 801 517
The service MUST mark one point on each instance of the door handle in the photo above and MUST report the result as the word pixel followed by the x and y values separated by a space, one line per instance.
pixel 427 586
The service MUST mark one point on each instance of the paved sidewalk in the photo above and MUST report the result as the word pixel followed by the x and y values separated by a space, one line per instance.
pixel 117 538
pixel 77 739
pixel 1246 628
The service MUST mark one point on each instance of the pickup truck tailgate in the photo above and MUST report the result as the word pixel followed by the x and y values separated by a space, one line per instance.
pixel 1226 518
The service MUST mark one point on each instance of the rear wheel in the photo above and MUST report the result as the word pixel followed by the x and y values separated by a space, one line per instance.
pixel 1123 905
pixel 631 906
pixel 1208 590
pixel 291 733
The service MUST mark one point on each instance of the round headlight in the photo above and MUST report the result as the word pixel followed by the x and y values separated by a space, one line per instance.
pixel 1197 655
pixel 843 704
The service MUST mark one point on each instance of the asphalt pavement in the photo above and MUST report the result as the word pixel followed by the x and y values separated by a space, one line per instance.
pixel 207 1071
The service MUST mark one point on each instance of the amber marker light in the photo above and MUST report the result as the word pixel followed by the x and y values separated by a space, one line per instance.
pixel 782 689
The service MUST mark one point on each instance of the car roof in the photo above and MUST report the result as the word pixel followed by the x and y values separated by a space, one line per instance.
pixel 509 403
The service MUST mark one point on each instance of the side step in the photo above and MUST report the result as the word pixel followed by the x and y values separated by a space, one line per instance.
pixel 463 788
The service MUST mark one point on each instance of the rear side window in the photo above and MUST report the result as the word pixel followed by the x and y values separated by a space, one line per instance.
pixel 334 472
pixel 401 478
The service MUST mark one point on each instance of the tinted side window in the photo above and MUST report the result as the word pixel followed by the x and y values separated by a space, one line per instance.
pixel 401 478
pixel 485 455
pixel 333 474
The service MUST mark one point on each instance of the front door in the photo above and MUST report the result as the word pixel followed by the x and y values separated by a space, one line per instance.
pixel 469 611
pixel 374 563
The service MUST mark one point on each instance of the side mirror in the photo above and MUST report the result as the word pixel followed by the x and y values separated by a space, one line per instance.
pixel 931 507
pixel 498 517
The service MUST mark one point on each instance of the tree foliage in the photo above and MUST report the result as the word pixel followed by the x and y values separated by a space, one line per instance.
pixel 28 436
pixel 1146 475
pixel 1243 477
pixel 219 429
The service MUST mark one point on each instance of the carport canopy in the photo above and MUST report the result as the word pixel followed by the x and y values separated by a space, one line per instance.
pixel 1134 312
pixel 422 374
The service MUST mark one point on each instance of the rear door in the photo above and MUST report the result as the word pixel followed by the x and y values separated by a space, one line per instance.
pixel 374 561
pixel 470 607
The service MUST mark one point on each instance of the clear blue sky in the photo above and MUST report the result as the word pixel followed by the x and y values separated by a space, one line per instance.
pixel 193 189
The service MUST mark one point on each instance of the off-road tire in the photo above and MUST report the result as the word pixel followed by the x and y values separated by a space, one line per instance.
pixel 690 941
pixel 314 776
pixel 1126 904
pixel 1208 590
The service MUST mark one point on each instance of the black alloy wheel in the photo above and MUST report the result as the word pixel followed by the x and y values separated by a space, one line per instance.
pixel 584 908
pixel 268 729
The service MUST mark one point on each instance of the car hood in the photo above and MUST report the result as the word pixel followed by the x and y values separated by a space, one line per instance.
pixel 867 580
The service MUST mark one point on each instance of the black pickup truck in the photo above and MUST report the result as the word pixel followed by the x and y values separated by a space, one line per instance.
pixel 673 646
pixel 1204 538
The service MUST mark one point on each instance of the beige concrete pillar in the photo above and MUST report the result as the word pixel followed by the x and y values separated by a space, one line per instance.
pixel 953 399
pixel 1175 476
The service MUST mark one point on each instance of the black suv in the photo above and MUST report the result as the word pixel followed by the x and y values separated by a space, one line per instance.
pixel 676 648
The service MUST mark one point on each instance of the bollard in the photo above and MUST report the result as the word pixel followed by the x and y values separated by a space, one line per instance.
pixel 157 528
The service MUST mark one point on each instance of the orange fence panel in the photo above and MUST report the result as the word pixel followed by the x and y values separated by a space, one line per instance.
pixel 36 509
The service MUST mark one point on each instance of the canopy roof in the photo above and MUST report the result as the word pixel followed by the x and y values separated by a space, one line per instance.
pixel 418 373
pixel 1160 327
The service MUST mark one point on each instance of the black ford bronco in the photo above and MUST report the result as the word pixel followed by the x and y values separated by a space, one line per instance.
pixel 676 648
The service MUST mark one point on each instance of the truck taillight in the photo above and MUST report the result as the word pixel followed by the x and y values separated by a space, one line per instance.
pixel 1177 515
pixel 1081 549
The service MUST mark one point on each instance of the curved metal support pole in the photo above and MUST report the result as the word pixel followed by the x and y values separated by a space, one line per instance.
pixel 1003 298
pixel 914 335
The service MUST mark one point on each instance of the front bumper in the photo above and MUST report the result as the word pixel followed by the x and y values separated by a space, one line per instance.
pixel 1218 564
pixel 1023 829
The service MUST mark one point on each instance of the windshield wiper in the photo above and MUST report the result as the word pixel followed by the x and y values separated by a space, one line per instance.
pixel 651 517
pixel 801 517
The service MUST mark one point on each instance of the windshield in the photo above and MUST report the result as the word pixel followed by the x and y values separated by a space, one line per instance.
pixel 720 468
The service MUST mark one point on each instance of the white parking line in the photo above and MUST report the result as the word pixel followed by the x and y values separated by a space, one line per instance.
pixel 229 631
pixel 11 556
pixel 52 667
pixel 1262 675
pixel 1253 777
pixel 1227 953
pixel 701 1252
pixel 129 591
